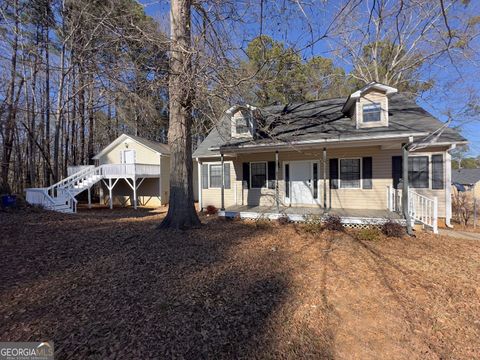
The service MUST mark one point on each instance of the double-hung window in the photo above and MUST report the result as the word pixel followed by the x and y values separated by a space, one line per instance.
pixel 258 174
pixel 242 125
pixel 216 176
pixel 418 171
pixel 372 112
pixel 350 173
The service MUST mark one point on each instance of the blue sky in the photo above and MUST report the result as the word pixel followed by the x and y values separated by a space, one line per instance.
pixel 449 94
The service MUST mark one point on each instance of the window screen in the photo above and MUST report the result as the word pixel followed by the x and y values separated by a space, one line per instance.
pixel 371 112
pixel 418 171
pixel 259 175
pixel 242 125
pixel 215 176
pixel 349 173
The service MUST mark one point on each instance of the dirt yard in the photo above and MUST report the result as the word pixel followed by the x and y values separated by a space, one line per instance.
pixel 107 284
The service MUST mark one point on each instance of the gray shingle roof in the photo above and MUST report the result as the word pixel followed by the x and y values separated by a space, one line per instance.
pixel 323 119
pixel 466 176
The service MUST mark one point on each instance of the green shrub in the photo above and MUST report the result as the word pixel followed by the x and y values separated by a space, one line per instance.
pixel 369 234
pixel 333 223
pixel 393 229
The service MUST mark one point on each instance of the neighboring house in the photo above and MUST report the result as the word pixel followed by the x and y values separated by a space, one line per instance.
pixel 342 156
pixel 130 170
pixel 469 179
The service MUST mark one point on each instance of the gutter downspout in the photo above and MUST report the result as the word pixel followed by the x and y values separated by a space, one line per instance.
pixel 448 187
pixel 405 205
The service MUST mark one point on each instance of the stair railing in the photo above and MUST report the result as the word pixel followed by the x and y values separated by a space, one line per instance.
pixel 420 207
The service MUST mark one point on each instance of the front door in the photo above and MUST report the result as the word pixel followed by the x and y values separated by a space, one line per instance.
pixel 302 182
pixel 128 156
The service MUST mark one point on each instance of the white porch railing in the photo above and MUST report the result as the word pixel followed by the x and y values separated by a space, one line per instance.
pixel 420 207
pixel 39 196
pixel 71 170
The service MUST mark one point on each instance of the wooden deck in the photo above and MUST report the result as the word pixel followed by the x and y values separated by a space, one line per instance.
pixel 349 216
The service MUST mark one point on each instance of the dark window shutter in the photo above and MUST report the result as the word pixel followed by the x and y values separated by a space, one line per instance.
pixel 246 174
pixel 396 170
pixel 271 175
pixel 333 165
pixel 204 176
pixel 367 172
pixel 226 174
pixel 437 172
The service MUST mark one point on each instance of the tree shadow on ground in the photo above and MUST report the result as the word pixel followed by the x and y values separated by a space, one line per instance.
pixel 134 291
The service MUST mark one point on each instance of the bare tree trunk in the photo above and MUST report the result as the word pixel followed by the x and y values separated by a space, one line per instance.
pixel 59 117
pixel 181 212
pixel 81 110
pixel 10 121
pixel 91 124
pixel 46 146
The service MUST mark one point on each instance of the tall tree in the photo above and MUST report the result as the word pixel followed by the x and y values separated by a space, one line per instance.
pixel 181 212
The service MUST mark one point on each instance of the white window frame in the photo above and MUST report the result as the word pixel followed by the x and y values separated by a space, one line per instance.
pixel 266 174
pixel 380 112
pixel 430 170
pixel 209 173
pixel 340 174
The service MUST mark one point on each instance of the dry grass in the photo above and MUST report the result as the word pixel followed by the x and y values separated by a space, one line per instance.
pixel 107 284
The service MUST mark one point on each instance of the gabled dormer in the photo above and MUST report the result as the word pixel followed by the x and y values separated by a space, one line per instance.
pixel 368 107
pixel 243 123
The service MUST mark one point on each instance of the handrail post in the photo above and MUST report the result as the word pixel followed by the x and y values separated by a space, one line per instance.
pixel 435 215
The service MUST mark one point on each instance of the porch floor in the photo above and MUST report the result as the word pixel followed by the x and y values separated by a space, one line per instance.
pixel 297 213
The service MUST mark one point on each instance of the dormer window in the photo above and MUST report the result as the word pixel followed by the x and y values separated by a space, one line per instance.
pixel 372 112
pixel 243 125
pixel 368 107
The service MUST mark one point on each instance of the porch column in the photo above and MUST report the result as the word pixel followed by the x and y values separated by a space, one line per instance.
pixel 223 184
pixel 135 192
pixel 406 214
pixel 110 192
pixel 277 192
pixel 199 175
pixel 448 188
pixel 324 178
pixel 89 199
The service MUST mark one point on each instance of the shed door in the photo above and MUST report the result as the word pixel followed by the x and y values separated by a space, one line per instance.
pixel 128 156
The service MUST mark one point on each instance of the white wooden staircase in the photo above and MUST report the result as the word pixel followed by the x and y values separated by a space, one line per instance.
pixel 61 196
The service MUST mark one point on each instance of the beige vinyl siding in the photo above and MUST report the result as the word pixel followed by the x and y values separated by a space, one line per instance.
pixel 213 196
pixel 375 198
pixel 143 154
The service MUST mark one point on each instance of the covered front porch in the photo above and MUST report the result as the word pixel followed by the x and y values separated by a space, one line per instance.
pixel 298 214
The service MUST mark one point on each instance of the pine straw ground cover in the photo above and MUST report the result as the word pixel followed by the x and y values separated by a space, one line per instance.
pixel 108 284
